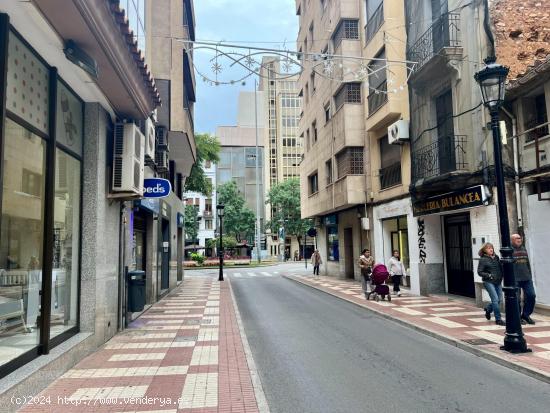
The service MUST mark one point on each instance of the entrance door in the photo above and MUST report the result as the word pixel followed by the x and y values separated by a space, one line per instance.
pixel 458 252
pixel 165 253
pixel 348 242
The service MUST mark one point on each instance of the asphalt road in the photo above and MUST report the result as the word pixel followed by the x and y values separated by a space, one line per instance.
pixel 317 353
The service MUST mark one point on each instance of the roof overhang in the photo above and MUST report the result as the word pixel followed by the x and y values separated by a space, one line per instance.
pixel 100 29
pixel 534 77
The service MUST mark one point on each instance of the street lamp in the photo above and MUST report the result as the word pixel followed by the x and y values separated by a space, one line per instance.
pixel 491 81
pixel 219 210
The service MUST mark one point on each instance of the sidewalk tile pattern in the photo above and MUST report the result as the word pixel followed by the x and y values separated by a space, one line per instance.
pixel 448 317
pixel 184 354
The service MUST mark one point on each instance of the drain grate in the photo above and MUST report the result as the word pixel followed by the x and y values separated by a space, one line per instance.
pixel 477 341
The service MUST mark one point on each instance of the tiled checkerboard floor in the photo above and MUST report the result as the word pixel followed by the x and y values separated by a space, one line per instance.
pixel 450 317
pixel 184 354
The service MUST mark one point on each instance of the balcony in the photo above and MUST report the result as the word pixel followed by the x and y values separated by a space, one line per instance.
pixel 348 191
pixel 347 126
pixel 390 176
pixel 374 23
pixel 377 100
pixel 447 154
pixel 441 40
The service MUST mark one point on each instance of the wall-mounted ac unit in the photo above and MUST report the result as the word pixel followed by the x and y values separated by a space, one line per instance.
pixel 128 159
pixel 398 132
pixel 150 140
pixel 161 158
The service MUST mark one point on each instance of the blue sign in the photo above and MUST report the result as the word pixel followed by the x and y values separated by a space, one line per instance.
pixel 181 219
pixel 156 188
pixel 151 205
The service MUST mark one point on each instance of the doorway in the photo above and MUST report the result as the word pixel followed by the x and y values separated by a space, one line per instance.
pixel 165 254
pixel 458 255
pixel 348 245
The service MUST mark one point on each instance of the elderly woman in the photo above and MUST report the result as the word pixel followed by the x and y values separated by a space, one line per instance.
pixel 490 271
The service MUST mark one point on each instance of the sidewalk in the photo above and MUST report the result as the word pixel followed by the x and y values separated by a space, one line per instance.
pixel 185 354
pixel 458 323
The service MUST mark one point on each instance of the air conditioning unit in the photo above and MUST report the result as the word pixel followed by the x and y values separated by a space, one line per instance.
pixel 150 140
pixel 398 132
pixel 128 159
pixel 161 158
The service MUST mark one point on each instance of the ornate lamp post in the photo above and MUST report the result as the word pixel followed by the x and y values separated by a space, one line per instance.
pixel 219 210
pixel 491 80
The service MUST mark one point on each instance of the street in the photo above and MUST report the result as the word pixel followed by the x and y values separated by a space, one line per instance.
pixel 317 353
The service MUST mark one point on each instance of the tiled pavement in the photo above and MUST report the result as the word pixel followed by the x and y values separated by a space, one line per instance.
pixel 185 354
pixel 454 321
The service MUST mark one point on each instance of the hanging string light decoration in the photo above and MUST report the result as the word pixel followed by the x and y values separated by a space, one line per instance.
pixel 248 61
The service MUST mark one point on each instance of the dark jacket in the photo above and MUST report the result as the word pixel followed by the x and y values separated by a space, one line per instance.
pixel 522 269
pixel 489 269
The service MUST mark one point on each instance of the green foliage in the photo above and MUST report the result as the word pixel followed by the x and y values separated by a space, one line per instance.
pixel 284 199
pixel 239 220
pixel 228 242
pixel 191 225
pixel 198 258
pixel 208 149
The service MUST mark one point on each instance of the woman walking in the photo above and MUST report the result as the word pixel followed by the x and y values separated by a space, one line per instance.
pixel 490 272
pixel 316 261
pixel 365 262
pixel 397 271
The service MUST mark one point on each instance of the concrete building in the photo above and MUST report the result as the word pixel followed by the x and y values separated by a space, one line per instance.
pixel 284 147
pixel 238 155
pixel 355 184
pixel 65 233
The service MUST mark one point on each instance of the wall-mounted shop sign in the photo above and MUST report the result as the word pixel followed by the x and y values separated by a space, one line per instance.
pixel 156 188
pixel 181 220
pixel 465 198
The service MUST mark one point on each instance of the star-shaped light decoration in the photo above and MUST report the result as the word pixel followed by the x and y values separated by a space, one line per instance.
pixel 249 62
pixel 362 72
pixel 328 67
pixel 216 68
pixel 287 64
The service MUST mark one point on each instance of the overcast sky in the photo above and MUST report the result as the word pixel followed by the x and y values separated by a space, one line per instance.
pixel 248 22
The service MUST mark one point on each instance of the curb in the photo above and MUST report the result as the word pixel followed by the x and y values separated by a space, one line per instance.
pixel 261 400
pixel 529 371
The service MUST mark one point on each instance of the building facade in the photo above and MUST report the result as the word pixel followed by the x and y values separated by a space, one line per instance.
pixel 67 238
pixel 284 147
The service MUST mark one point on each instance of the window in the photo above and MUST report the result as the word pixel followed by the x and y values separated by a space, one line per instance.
pixel 312 81
pixel 332 243
pixel 307 93
pixel 208 224
pixel 377 83
pixel 349 161
pixel 313 183
pixel 31 183
pixel 390 163
pixel 308 142
pixel 328 171
pixel 348 93
pixel 347 29
pixel 375 18
pixel 536 116
pixel 327 112
pixel 208 207
pixel 311 28
pixel 314 129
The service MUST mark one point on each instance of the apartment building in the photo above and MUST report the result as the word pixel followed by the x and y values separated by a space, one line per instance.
pixel 284 147
pixel 355 183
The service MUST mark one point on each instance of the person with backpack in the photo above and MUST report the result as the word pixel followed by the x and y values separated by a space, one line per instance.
pixel 365 262
pixel 490 270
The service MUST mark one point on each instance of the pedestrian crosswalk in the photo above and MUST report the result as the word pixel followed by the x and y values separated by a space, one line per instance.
pixel 252 274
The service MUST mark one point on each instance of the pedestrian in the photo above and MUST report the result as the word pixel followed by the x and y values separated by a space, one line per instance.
pixel 490 270
pixel 524 278
pixel 397 271
pixel 365 262
pixel 296 255
pixel 316 261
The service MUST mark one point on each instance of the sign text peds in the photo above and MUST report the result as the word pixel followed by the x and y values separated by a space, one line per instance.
pixel 156 188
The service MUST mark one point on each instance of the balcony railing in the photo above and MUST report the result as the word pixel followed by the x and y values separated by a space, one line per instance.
pixel 374 23
pixel 444 32
pixel 376 100
pixel 390 176
pixel 447 154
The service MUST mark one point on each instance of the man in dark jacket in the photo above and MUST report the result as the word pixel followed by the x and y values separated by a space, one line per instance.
pixel 524 278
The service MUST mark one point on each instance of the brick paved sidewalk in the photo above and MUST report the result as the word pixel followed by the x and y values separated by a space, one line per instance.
pixel 454 321
pixel 185 354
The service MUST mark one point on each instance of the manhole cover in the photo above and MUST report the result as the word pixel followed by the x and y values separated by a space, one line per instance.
pixel 186 338
pixel 478 341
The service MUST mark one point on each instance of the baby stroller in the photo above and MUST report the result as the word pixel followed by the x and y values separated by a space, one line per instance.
pixel 378 287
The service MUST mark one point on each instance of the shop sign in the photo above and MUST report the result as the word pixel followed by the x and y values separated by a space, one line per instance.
pixel 465 198
pixel 156 188
pixel 181 220
pixel 331 219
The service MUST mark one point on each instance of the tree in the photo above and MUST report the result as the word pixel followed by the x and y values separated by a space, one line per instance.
pixel 284 199
pixel 208 149
pixel 191 225
pixel 238 220
pixel 228 242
